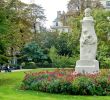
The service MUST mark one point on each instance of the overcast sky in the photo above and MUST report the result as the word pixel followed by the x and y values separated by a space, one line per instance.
pixel 51 7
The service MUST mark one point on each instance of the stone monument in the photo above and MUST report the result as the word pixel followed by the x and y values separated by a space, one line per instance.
pixel 88 46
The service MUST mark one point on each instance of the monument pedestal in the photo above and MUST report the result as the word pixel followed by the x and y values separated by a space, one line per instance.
pixel 87 66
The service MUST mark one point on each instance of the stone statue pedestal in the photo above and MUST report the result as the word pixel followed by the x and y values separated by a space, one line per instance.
pixel 88 46
pixel 87 66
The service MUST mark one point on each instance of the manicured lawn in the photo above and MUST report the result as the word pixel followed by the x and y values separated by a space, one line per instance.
pixel 9 90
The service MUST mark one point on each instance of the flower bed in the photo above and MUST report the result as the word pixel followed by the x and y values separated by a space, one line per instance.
pixel 68 82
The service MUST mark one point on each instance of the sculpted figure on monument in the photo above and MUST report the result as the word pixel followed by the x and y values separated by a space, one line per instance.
pixel 87 12
pixel 88 40
pixel 87 37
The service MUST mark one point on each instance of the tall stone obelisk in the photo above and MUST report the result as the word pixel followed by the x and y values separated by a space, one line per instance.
pixel 88 46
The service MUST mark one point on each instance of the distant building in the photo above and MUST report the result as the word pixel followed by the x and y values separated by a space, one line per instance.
pixel 106 4
pixel 58 25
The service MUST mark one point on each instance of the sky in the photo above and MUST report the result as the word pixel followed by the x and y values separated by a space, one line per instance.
pixel 51 7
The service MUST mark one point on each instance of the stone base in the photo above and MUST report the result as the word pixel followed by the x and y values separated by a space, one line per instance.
pixel 87 66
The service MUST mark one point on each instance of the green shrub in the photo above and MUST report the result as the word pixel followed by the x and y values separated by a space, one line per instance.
pixel 61 61
pixel 66 87
pixel 54 86
pixel 102 85
pixel 34 52
pixel 65 82
pixel 83 86
pixel 39 85
pixel 52 82
pixel 59 86
pixel 87 86
pixel 104 55
pixel 103 81
pixel 45 64
pixel 29 65
pixel 26 83
pixel 28 80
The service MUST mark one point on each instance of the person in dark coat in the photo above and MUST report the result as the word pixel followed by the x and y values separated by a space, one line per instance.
pixel 0 68
pixel 9 69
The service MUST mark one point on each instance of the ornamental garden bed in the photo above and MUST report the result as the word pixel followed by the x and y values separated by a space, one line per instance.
pixel 66 81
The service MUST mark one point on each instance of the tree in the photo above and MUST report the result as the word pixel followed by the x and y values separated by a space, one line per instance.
pixel 34 52
pixel 80 5
pixel 102 27
pixel 63 45
pixel 48 39
pixel 36 16
pixel 15 26
pixel 19 27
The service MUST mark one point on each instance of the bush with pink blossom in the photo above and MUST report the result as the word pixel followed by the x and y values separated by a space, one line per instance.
pixel 66 81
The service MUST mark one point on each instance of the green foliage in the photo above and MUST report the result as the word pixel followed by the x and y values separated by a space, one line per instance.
pixel 62 45
pixel 61 61
pixel 104 55
pixel 4 22
pixel 102 86
pixel 54 87
pixel 67 44
pixel 83 86
pixel 102 27
pixel 67 82
pixel 17 20
pixel 48 39
pixel 87 86
pixel 4 59
pixel 59 86
pixel 9 84
pixel 34 52
pixel 29 65
pixel 2 48
pixel 47 82
pixel 16 25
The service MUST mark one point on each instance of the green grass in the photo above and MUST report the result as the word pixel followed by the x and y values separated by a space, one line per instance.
pixel 9 90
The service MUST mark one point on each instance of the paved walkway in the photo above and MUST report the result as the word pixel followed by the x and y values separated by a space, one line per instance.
pixel 20 70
